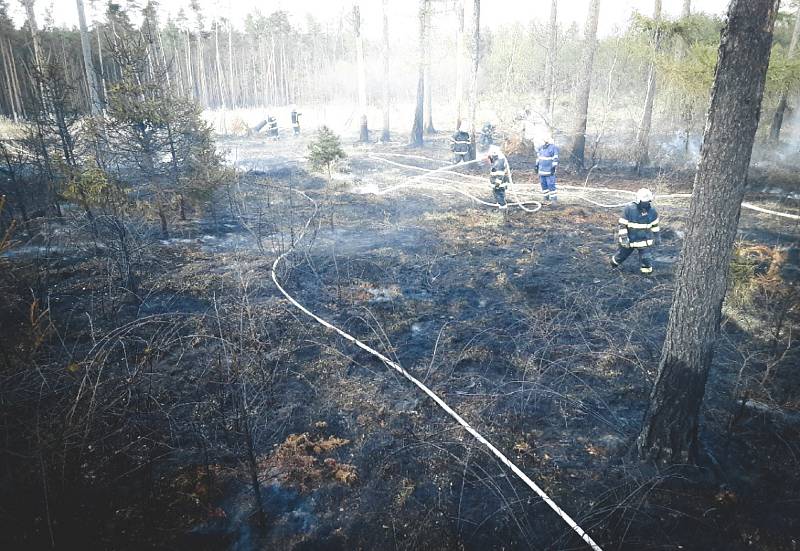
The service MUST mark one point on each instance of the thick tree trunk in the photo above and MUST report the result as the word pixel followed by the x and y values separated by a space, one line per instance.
pixel 88 64
pixel 363 133
pixel 386 135
pixel 669 431
pixel 549 69
pixel 473 93
pixel 416 130
pixel 777 119
pixel 643 133
pixel 585 85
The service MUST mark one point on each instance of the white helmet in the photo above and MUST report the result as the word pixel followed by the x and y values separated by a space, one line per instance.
pixel 494 151
pixel 463 127
pixel 644 195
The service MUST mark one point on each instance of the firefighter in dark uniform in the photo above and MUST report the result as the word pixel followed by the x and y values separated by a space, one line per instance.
pixel 272 127
pixel 638 231
pixel 295 120
pixel 460 143
pixel 499 176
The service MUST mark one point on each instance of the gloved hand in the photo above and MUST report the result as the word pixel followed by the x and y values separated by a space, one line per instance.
pixel 536 167
pixel 553 171
pixel 624 241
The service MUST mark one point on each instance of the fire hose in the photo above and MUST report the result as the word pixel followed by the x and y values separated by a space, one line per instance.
pixel 397 367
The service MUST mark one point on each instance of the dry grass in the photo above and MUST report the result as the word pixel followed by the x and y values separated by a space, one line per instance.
pixel 300 461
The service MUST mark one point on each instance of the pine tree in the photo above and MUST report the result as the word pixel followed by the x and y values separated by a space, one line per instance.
pixel 325 149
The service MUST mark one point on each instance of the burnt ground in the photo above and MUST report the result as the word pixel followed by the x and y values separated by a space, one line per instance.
pixel 161 413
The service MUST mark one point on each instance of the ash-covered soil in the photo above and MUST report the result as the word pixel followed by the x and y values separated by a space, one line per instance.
pixel 515 320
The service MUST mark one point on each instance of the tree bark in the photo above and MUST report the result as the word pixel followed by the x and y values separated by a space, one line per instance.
pixel 460 9
pixel 218 63
pixel 386 135
pixel 670 427
pixel 476 58
pixel 429 128
pixel 363 133
pixel 37 49
pixel 88 64
pixel 231 86
pixel 643 133
pixel 416 130
pixel 687 8
pixel 585 85
pixel 550 62
pixel 777 119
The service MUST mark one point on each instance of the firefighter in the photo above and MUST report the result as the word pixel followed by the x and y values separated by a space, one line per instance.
pixel 272 127
pixel 499 176
pixel 546 165
pixel 295 120
pixel 638 230
pixel 460 143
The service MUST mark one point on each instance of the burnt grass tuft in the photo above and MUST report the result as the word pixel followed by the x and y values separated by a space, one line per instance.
pixel 150 423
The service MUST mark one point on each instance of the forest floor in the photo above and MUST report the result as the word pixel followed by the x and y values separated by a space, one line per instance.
pixel 516 321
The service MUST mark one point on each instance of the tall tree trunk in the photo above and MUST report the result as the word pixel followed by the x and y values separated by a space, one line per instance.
pixel 777 119
pixel 550 62
pixel 220 79
pixel 585 85
pixel 189 73
pixel 429 128
pixel 88 64
pixel 670 428
pixel 686 115
pixel 473 92
pixel 15 79
pixel 416 130
pixel 460 10
pixel 386 135
pixel 643 133
pixel 363 134
pixel 9 81
pixel 231 85
pixel 37 50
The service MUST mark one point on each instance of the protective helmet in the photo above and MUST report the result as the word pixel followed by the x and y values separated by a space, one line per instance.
pixel 463 127
pixel 644 195
pixel 493 152
pixel 547 138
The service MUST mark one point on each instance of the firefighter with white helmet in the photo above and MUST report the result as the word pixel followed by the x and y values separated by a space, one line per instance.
pixel 500 175
pixel 460 143
pixel 546 165
pixel 639 231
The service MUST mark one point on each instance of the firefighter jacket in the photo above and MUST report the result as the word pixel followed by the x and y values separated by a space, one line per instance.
pixel 500 175
pixel 638 228
pixel 547 159
pixel 459 143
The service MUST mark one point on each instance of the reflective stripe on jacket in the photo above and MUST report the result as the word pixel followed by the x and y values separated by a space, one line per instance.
pixel 547 158
pixel 639 226
pixel 499 176
pixel 460 142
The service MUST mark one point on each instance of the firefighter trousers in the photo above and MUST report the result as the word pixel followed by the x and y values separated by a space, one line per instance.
pixel 645 258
